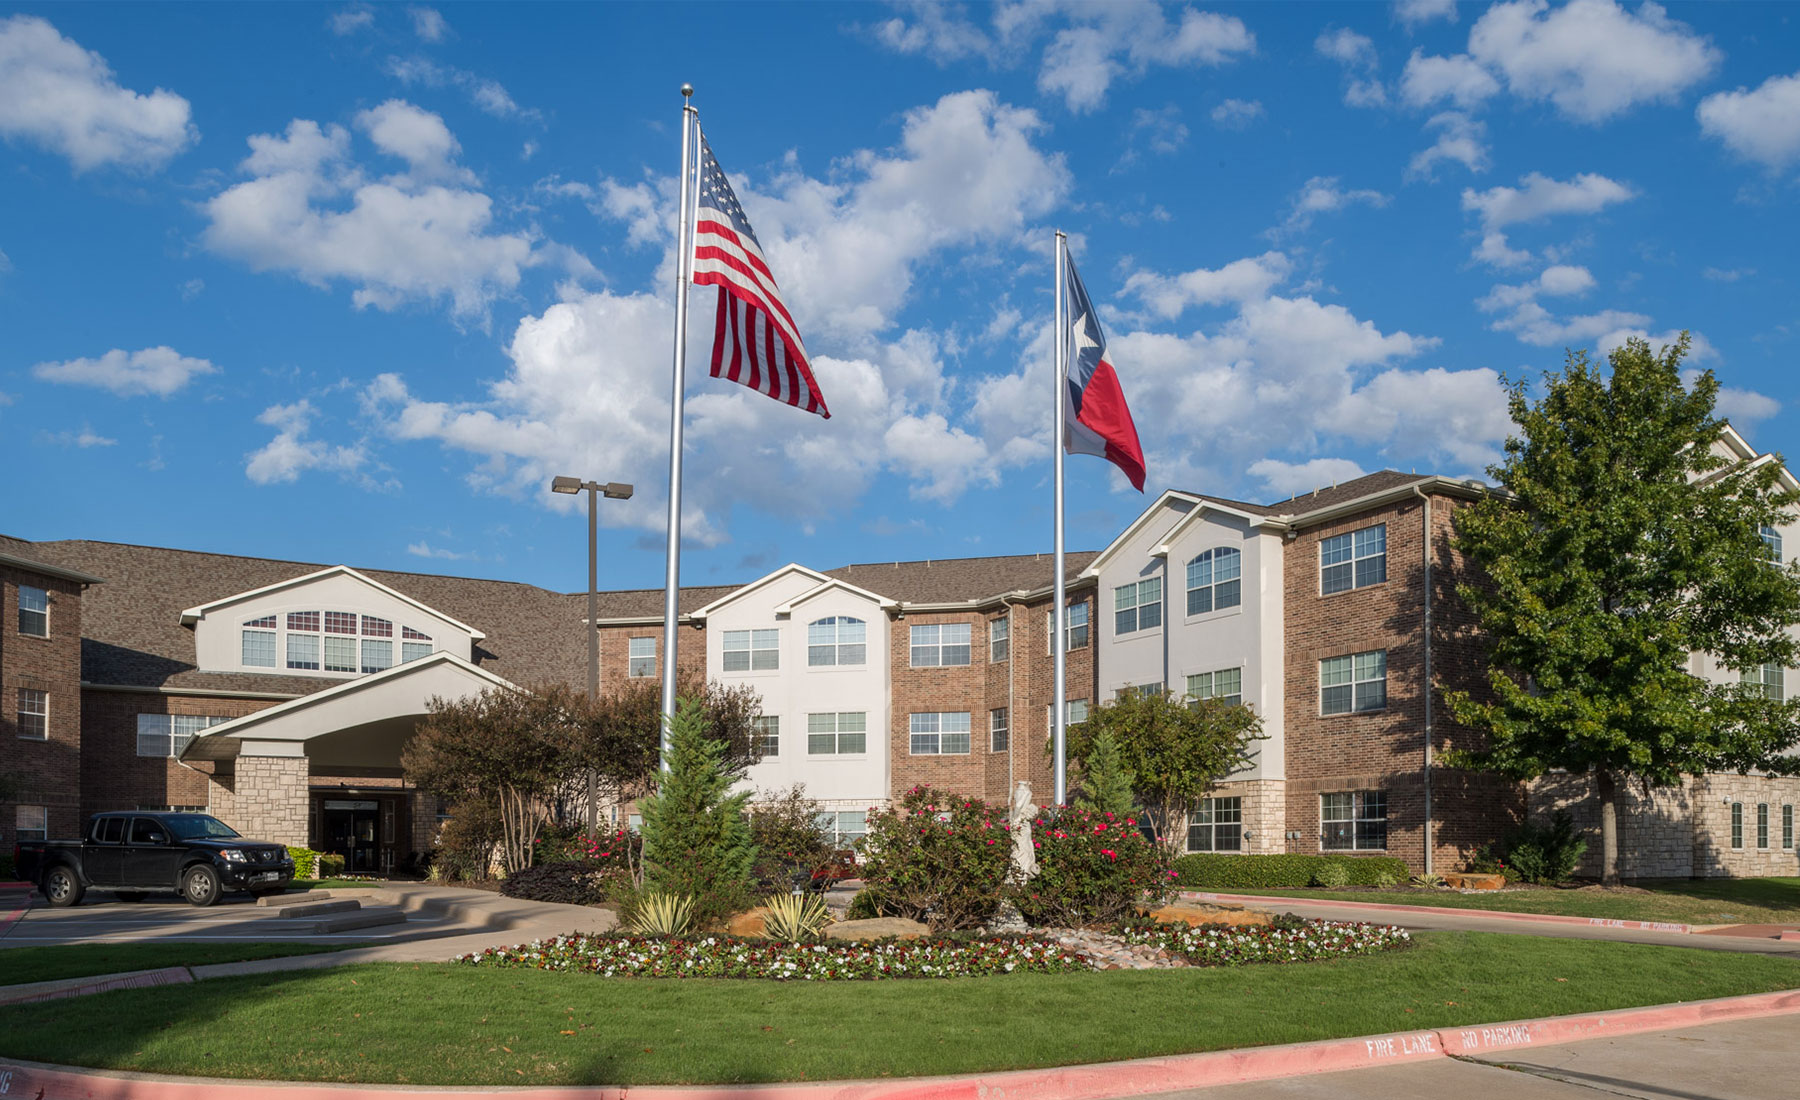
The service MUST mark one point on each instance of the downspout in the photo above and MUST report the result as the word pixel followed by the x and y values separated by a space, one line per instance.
pixel 1425 556
pixel 1012 652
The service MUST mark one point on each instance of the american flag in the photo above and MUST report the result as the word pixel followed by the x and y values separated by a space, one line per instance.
pixel 755 340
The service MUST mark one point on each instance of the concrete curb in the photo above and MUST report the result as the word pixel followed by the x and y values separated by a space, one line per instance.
pixel 1141 1077
pixel 1446 910
pixel 104 983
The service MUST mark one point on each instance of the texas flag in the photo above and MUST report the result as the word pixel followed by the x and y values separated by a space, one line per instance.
pixel 1095 419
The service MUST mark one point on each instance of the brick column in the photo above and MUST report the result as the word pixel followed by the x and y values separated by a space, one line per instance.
pixel 265 798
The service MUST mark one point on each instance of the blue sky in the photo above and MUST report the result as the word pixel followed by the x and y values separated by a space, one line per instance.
pixel 351 283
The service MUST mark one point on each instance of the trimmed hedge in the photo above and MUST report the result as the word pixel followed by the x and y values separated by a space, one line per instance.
pixel 306 862
pixel 1213 871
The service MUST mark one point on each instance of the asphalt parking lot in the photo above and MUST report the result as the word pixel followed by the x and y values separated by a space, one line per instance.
pixel 102 918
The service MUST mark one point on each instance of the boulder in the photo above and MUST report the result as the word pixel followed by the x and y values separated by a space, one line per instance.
pixel 1200 912
pixel 878 928
pixel 1469 880
pixel 747 923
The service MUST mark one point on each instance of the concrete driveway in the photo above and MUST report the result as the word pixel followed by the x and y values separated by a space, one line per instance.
pixel 162 918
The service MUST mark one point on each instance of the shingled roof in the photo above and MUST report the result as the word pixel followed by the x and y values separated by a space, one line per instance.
pixel 1325 497
pixel 958 580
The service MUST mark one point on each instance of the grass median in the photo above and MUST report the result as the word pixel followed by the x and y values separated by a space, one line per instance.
pixel 1677 901
pixel 19 965
pixel 443 1024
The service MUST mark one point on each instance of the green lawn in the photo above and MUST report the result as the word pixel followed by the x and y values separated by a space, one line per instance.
pixel 443 1024
pixel 1683 901
pixel 19 965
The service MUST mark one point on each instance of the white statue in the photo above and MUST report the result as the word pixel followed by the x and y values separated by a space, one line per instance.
pixel 1023 813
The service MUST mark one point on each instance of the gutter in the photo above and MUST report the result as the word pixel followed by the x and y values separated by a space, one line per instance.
pixel 1425 556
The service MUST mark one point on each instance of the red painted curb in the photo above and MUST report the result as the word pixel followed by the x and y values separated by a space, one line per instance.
pixel 1092 1082
pixel 1445 910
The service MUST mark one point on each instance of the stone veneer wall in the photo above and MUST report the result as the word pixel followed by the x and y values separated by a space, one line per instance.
pixel 1656 831
pixel 1265 813
pixel 1713 855
pixel 265 798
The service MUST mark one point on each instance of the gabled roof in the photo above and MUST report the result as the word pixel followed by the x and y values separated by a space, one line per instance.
pixel 833 584
pixel 792 569
pixel 961 581
pixel 18 553
pixel 194 614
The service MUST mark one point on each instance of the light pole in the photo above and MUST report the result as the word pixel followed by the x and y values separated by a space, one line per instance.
pixel 612 490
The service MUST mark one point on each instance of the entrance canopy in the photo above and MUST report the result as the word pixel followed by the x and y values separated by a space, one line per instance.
pixel 357 727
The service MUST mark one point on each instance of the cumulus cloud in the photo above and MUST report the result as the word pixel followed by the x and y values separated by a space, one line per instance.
pixel 424 234
pixel 429 24
pixel 1414 12
pixel 1761 125
pixel 490 96
pixel 1537 197
pixel 1289 479
pixel 422 549
pixel 1356 53
pixel 1241 280
pixel 1460 79
pixel 56 95
pixel 1460 139
pixel 83 439
pixel 356 17
pixel 1162 132
pixel 1237 114
pixel 1727 275
pixel 1322 195
pixel 160 371
pixel 291 453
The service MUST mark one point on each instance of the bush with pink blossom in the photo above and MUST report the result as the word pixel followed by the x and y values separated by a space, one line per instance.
pixel 1093 868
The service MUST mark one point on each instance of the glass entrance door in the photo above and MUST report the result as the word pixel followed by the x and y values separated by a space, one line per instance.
pixel 352 829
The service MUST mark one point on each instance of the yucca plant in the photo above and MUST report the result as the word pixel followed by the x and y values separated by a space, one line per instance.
pixel 795 918
pixel 660 914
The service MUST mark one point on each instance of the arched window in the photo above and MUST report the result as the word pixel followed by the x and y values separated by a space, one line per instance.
pixel 1214 580
pixel 329 641
pixel 836 640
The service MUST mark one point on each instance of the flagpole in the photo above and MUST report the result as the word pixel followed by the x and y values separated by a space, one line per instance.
pixel 683 273
pixel 1060 614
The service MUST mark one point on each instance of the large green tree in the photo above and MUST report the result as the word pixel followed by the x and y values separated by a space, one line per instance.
pixel 619 735
pixel 1175 748
pixel 696 838
pixel 1622 547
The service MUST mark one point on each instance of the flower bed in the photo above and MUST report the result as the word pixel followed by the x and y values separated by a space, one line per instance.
pixel 1286 941
pixel 729 957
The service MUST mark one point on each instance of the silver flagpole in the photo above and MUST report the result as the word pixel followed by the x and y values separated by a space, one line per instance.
pixel 1059 635
pixel 683 272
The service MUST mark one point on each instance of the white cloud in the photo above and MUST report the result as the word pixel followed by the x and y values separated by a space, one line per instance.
pixel 1460 138
pixel 1745 406
pixel 1321 195
pixel 422 549
pixel 1591 58
pixel 1287 479
pixel 160 371
pixel 1237 114
pixel 1728 275
pixel 403 238
pixel 938 31
pixel 1125 39
pixel 488 95
pixel 428 24
pixel 84 438
pixel 1414 12
pixel 291 453
pixel 1559 280
pixel 354 18
pixel 1459 79
pixel 61 97
pixel 1163 131
pixel 1763 125
pixel 1538 197
pixel 1239 281
pixel 1356 53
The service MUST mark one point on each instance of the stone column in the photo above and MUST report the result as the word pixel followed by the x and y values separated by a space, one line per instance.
pixel 267 795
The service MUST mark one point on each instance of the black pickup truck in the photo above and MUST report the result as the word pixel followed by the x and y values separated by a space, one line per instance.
pixel 134 854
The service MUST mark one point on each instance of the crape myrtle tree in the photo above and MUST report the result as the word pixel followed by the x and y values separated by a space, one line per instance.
pixel 620 734
pixel 1622 547
pixel 1176 749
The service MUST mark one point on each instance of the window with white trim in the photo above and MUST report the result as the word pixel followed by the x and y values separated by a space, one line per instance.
pixel 413 645
pixel 1772 679
pixel 1216 825
pixel 999 732
pixel 34 714
pixel 752 650
pixel 1762 824
pixel 1771 538
pixel 1137 606
pixel 1356 559
pixel 936 645
pixel 169 734
pixel 1000 639
pixel 1737 824
pixel 845 733
pixel 943 733
pixel 767 731
pixel 1077 624
pixel 31 823
pixel 1356 682
pixel 328 641
pixel 837 641
pixel 34 611
pixel 1139 691
pixel 843 828
pixel 1353 821
pixel 1215 580
pixel 259 643
pixel 640 658
pixel 1226 685
pixel 1075 712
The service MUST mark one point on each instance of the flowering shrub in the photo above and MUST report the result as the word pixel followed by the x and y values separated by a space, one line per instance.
pixel 729 957
pixel 1092 868
pixel 1286 941
pixel 938 857
pixel 614 852
pixel 791 846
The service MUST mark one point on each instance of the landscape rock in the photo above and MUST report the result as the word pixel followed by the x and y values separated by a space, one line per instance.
pixel 1200 912
pixel 1468 880
pixel 748 923
pixel 878 928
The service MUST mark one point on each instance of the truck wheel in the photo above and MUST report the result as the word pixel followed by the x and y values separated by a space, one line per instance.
pixel 62 886
pixel 200 885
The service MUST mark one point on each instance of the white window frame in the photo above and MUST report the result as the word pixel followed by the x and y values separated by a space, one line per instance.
pixel 23 829
pixel 1359 557
pixel 939 733
pixel 766 728
pixel 848 646
pixel 636 657
pixel 298 649
pixel 1360 673
pixel 947 640
pixel 1772 678
pixel 1351 827
pixel 173 730
pixel 1076 711
pixel 1076 630
pixel 1000 639
pixel 837 733
pixel 39 708
pixel 1771 537
pixel 833 823
pixel 757 650
pixel 1137 606
pixel 1221 817
pixel 1000 730
pixel 40 609
pixel 1208 685
pixel 1207 580
pixel 1138 691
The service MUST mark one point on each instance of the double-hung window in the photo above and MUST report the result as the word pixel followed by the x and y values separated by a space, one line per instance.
pixel 767 731
pixel 1226 685
pixel 1000 638
pixel 1077 623
pixel 1215 580
pixel 1762 824
pixel 34 714
pixel 1075 712
pixel 31 823
pixel 34 611
pixel 1787 826
pixel 1737 824
pixel 999 732
pixel 940 644
pixel 1356 682
pixel 1137 606
pixel 640 658
pixel 1770 678
pixel 1772 543
pixel 1216 825
pixel 259 643
pixel 169 734
pixel 1354 560
pixel 940 734
pixel 843 828
pixel 840 734
pixel 1353 821
pixel 752 650
pixel 837 641
pixel 1139 691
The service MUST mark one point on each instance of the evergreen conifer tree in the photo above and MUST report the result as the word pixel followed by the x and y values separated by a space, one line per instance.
pixel 696 838
pixel 1106 783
